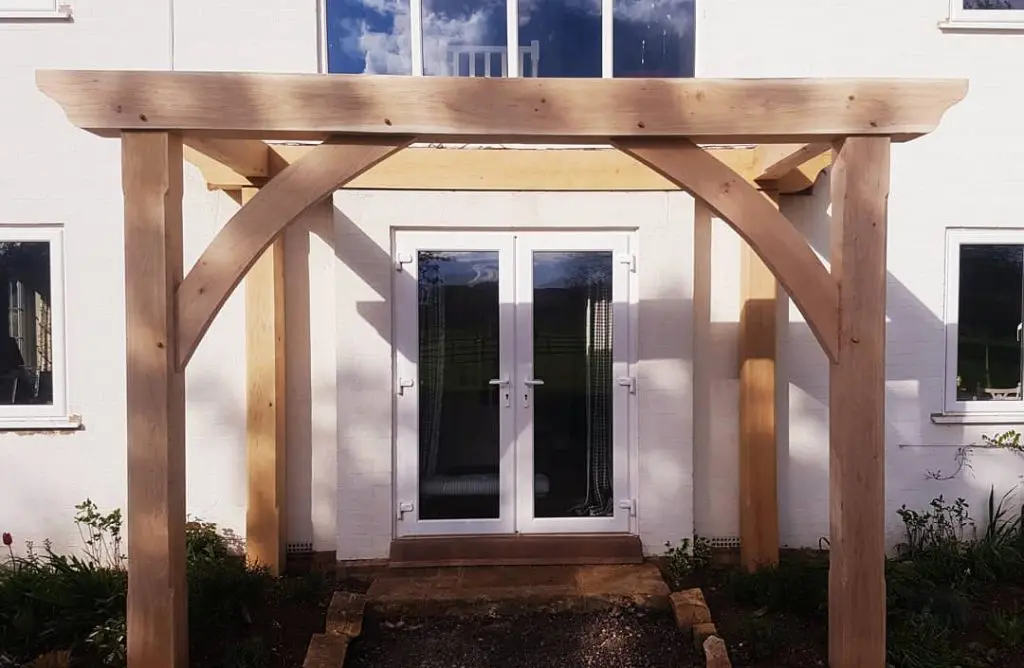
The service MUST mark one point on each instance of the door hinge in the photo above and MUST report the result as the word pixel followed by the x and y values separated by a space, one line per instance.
pixel 404 384
pixel 628 259
pixel 403 508
pixel 629 505
pixel 629 382
pixel 401 260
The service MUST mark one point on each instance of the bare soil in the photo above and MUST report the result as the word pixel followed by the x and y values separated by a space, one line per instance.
pixel 617 638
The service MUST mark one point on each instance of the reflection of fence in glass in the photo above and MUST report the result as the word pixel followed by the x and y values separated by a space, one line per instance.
pixel 474 60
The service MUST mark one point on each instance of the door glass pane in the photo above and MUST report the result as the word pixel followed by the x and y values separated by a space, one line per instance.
pixel 458 407
pixel 572 355
pixel 988 365
pixel 465 38
pixel 560 38
pixel 653 38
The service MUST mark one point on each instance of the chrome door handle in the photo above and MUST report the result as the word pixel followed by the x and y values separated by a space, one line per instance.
pixel 532 382
pixel 504 384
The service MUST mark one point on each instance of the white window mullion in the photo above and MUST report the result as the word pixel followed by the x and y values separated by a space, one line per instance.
pixel 607 25
pixel 416 32
pixel 512 48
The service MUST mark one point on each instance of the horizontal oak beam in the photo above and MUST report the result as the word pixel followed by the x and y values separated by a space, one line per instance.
pixel 778 160
pixel 244 156
pixel 266 106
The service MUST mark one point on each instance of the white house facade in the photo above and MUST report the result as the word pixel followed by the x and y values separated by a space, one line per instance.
pixel 503 362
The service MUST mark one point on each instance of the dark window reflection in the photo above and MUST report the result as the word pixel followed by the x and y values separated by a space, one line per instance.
pixel 572 354
pixel 465 38
pixel 989 328
pixel 560 38
pixel 653 38
pixel 369 37
pixel 26 328
pixel 994 4
pixel 458 407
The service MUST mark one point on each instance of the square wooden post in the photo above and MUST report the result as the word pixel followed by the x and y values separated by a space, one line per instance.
pixel 759 506
pixel 266 396
pixel 151 164
pixel 860 192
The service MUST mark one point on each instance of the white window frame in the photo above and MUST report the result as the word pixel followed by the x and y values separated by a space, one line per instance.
pixel 983 19
pixel 512 57
pixel 59 10
pixel 55 415
pixel 955 238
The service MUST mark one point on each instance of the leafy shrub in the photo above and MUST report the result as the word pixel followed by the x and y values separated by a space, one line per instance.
pixel 688 557
pixel 920 641
pixel 796 585
pixel 203 544
pixel 760 638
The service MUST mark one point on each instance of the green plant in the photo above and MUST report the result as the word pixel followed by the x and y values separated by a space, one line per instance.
pixel 760 638
pixel 797 585
pixel 920 641
pixel 248 653
pixel 108 642
pixel 203 543
pixel 690 556
pixel 101 534
pixel 1008 628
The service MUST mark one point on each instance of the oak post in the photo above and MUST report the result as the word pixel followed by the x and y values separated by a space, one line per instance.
pixel 157 590
pixel 759 507
pixel 266 395
pixel 860 191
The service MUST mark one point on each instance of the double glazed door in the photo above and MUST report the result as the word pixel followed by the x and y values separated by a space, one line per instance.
pixel 512 382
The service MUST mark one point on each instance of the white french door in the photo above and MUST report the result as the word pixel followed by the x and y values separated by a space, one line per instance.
pixel 513 382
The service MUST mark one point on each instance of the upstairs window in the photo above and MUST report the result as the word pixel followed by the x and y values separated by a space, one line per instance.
pixel 554 38
pixel 987 12
pixel 984 316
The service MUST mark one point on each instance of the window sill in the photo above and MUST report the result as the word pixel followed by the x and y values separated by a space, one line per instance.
pixel 1016 417
pixel 981 26
pixel 68 423
pixel 62 14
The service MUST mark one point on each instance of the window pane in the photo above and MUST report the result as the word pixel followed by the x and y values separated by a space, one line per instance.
pixel 368 36
pixel 653 38
pixel 26 334
pixel 464 38
pixel 988 332
pixel 560 38
pixel 994 4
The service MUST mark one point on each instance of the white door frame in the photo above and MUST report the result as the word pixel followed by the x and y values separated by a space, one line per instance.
pixel 406 363
pixel 617 243
pixel 515 296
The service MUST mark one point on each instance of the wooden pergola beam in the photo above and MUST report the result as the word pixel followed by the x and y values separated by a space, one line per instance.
pixel 243 156
pixel 777 160
pixel 313 106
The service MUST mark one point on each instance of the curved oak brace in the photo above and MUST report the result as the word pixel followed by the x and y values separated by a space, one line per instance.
pixel 255 226
pixel 770 234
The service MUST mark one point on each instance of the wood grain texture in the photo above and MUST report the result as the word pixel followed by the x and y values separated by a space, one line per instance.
pixel 265 406
pixel 157 592
pixel 243 239
pixel 857 607
pixel 759 505
pixel 265 106
pixel 778 160
pixel 769 233
pixel 245 156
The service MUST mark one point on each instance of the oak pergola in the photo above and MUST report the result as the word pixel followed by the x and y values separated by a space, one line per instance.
pixel 362 120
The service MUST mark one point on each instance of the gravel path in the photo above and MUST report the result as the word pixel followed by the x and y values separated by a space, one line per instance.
pixel 621 638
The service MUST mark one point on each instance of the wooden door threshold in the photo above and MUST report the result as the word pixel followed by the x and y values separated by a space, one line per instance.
pixel 517 550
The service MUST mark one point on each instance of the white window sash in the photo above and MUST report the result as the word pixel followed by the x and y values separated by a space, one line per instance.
pixel 955 238
pixel 35 9
pixel 58 409
pixel 957 14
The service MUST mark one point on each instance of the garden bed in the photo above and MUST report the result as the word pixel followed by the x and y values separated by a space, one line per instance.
pixel 616 638
pixel 955 595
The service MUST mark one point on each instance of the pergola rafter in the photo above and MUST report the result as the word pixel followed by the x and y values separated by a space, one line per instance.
pixel 367 119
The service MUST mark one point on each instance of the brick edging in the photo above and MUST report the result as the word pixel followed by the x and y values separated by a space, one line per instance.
pixel 693 615
pixel 344 622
